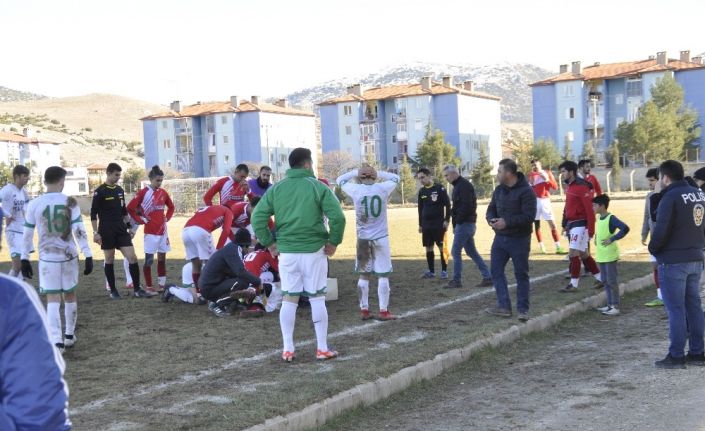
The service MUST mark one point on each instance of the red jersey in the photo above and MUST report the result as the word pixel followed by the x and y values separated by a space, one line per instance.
pixel 542 186
pixel 229 190
pixel 147 208
pixel 240 217
pixel 578 205
pixel 596 189
pixel 212 218
pixel 260 261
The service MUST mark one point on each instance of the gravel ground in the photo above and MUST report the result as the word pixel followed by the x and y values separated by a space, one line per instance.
pixel 592 373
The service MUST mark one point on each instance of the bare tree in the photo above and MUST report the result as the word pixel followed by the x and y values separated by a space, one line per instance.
pixel 336 163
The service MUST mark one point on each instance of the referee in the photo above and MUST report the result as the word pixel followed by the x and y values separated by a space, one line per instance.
pixel 434 217
pixel 109 206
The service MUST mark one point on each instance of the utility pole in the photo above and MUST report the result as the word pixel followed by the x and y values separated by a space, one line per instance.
pixel 593 99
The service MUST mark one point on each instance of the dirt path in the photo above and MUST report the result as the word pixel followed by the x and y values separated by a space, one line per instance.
pixel 592 373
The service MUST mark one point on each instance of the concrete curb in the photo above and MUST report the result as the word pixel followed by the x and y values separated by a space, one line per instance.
pixel 365 394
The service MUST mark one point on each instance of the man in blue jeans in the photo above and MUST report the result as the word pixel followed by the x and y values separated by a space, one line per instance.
pixel 464 213
pixel 677 243
pixel 511 213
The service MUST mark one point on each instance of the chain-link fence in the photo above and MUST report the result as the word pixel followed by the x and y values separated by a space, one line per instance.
pixel 187 193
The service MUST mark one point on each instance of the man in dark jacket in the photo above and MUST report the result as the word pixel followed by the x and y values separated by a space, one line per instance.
pixel 511 213
pixel 677 242
pixel 464 213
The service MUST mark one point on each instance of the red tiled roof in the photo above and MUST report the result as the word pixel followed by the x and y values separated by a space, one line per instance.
pixel 224 107
pixel 16 137
pixel 616 70
pixel 405 90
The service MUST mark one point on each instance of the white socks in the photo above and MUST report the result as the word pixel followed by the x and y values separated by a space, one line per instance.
pixel 658 294
pixel 383 292
pixel 287 320
pixel 126 266
pixel 54 318
pixel 17 274
pixel 161 280
pixel 598 276
pixel 70 315
pixel 319 315
pixel 363 289
pixel 574 282
pixel 182 293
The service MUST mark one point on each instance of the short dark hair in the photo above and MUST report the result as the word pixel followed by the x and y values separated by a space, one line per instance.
pixel 242 168
pixel 691 182
pixel 265 168
pixel 569 166
pixel 299 156
pixel 155 172
pixel 54 174
pixel 672 169
pixel 510 165
pixel 424 171
pixel 534 161
pixel 584 162
pixel 20 170
pixel 652 173
pixel 113 167
pixel 603 200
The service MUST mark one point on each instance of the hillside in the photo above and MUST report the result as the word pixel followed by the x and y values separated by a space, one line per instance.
pixel 92 128
pixel 10 95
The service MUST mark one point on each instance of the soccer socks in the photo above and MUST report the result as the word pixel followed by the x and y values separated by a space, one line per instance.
pixel 574 268
pixel 54 317
pixel 444 262
pixel 287 320
pixel 591 266
pixel 109 270
pixel 70 315
pixel 182 293
pixel 383 293
pixel 319 316
pixel 195 276
pixel 363 289
pixel 147 271
pixel 161 272
pixel 135 274
pixel 430 259
pixel 537 230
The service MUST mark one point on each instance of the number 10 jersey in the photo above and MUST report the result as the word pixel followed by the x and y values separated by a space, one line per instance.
pixel 371 205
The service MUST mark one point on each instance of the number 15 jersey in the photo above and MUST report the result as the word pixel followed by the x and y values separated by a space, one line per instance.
pixel 370 203
pixel 56 224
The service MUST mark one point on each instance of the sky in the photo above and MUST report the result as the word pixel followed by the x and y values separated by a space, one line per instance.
pixel 164 50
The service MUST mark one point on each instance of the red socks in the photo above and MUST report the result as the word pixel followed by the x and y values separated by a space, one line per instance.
pixel 554 234
pixel 147 270
pixel 591 265
pixel 574 267
pixel 161 268
pixel 195 276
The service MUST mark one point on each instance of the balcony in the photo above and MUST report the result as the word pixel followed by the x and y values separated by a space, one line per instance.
pixel 399 117
pixel 402 136
pixel 369 137
pixel 184 162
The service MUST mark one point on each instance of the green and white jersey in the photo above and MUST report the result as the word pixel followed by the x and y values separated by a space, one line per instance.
pixel 57 224
pixel 14 204
pixel 370 203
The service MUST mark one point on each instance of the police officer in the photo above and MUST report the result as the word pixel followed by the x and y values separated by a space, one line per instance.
pixel 677 243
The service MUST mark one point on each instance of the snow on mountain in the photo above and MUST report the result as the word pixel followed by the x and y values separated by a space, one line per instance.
pixel 506 80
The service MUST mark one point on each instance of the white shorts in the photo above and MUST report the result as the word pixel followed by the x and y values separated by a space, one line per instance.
pixel 652 258
pixel 544 209
pixel 58 277
pixel 578 238
pixel 303 274
pixel 156 243
pixel 373 257
pixel 198 243
pixel 14 243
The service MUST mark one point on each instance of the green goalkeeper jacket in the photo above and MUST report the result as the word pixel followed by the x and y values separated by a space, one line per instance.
pixel 298 204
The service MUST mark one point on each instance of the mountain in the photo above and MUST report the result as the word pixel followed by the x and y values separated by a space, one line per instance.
pixel 507 80
pixel 10 95
pixel 91 128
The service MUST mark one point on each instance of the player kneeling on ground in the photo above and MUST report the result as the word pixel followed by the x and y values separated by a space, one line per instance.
pixel 373 254
pixel 225 279
pixel 58 221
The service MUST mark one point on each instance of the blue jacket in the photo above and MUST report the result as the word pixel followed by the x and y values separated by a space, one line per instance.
pixel 33 394
pixel 677 235
pixel 516 205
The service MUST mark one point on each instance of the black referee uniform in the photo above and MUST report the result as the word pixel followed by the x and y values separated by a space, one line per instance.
pixel 434 209
pixel 109 209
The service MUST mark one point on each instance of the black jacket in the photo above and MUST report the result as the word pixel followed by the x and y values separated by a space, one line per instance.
pixel 434 206
pixel 225 264
pixel 516 205
pixel 464 202
pixel 677 236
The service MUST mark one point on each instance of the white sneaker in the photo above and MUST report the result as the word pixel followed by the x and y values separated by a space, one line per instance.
pixel 69 342
pixel 603 309
pixel 613 311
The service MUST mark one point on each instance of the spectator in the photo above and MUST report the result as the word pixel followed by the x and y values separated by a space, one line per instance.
pixel 258 186
pixel 677 241
pixel 584 169
pixel 464 213
pixel 511 213
pixel 647 226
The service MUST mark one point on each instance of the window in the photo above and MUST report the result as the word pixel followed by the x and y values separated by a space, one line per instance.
pixel 224 119
pixel 634 87
pixel 569 136
pixel 69 173
pixel 570 113
pixel 168 163
pixel 167 143
pixel 225 139
pixel 164 124
pixel 347 110
pixel 348 130
pixel 418 124
pixel 419 103
pixel 568 91
pixel 81 187
pixel 619 99
pixel 394 138
pixel 226 159
pixel 394 159
pixel 401 127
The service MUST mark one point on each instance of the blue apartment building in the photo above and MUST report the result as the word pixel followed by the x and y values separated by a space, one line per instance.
pixel 587 104
pixel 209 139
pixel 390 122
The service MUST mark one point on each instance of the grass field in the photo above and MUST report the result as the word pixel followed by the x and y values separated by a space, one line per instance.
pixel 142 364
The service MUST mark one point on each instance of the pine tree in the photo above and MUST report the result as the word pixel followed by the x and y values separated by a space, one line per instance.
pixel 407 186
pixel 567 152
pixel 434 152
pixel 613 158
pixel 481 175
